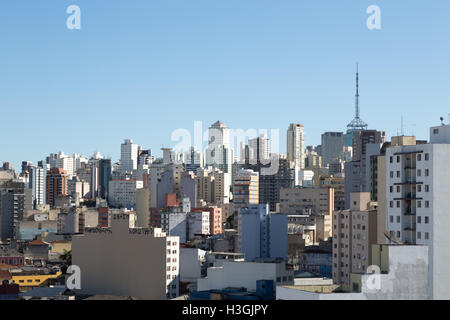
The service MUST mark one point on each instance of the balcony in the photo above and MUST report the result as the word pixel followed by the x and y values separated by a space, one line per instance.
pixel 410 196
pixel 409 212
pixel 410 227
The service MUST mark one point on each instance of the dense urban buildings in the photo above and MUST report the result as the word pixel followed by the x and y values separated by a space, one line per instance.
pixel 313 222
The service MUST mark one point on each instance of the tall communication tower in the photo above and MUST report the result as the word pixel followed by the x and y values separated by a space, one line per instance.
pixel 357 124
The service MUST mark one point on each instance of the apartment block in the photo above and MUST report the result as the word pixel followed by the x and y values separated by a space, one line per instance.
pixel 418 185
pixel 354 233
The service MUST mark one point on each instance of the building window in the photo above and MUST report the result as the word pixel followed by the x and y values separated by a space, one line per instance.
pixel 391 204
pixel 427 236
pixel 398 234
pixel 419 172
pixel 398 204
pixel 398 219
pixel 419 157
pixel 419 219
pixel 419 204
pixel 419 235
pixel 391 189
pixel 427 204
pixel 392 174
pixel 419 188
pixel 391 219
pixel 427 188
pixel 427 172
pixel 398 188
pixel 390 159
pixel 427 156
pixel 398 159
pixel 398 174
pixel 427 220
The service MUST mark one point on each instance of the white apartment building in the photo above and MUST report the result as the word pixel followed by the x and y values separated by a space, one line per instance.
pixel 418 202
pixel 108 266
pixel 122 193
pixel 296 145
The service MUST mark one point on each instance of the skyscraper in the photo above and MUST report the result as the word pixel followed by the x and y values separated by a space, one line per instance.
pixel 259 149
pixel 219 154
pixel 332 147
pixel 37 184
pixel 128 156
pixel 296 145
pixel 56 185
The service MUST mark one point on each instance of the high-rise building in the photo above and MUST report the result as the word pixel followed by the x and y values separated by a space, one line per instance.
pixel 56 185
pixel 366 144
pixel 64 162
pixel 104 176
pixel 271 184
pixel 213 186
pixel 259 149
pixel 417 189
pixel 262 234
pixel 354 233
pixel 12 207
pixel 245 189
pixel 122 193
pixel 37 184
pixel 193 160
pixel 129 153
pixel 219 153
pixel 332 147
pixel 296 145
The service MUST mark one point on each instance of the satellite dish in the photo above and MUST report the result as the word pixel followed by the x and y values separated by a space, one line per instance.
pixel 392 238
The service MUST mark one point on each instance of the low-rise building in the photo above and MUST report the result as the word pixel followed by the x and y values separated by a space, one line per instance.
pixel 401 273
pixel 245 274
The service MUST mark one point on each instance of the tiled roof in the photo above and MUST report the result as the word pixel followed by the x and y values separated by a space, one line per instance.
pixel 37 243
pixel 5 274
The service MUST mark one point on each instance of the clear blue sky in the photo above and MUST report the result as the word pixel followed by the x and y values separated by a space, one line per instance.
pixel 143 68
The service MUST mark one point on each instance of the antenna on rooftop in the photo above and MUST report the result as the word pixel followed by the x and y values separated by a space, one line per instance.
pixel 402 132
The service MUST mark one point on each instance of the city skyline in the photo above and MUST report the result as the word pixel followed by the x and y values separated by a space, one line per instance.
pixel 131 68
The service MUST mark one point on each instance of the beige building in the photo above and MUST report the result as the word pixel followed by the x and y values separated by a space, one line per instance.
pixel 245 189
pixel 124 261
pixel 213 187
pixel 307 201
pixel 354 233
pixel 143 207
pixel 309 211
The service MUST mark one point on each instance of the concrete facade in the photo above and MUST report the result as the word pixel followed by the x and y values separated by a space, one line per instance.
pixel 108 266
